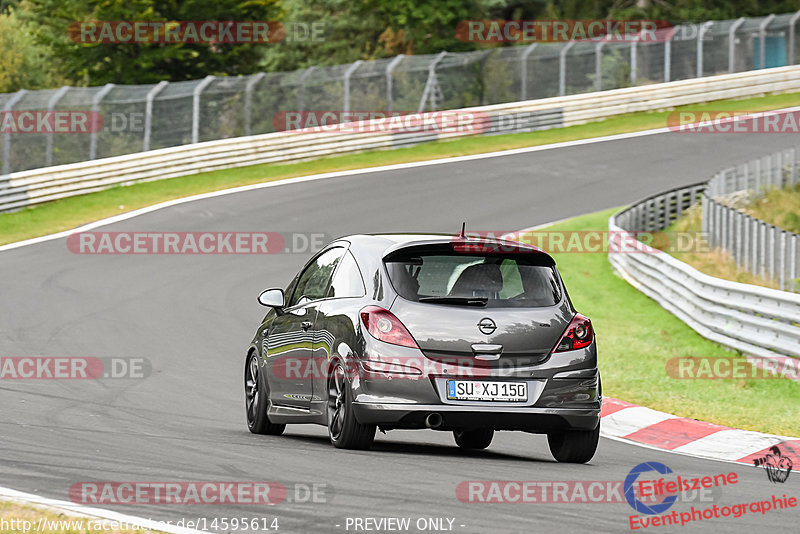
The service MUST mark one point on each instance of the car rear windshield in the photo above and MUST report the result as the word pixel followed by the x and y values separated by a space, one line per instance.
pixel 474 279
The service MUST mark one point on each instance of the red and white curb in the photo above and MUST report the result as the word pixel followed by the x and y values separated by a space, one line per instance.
pixel 631 423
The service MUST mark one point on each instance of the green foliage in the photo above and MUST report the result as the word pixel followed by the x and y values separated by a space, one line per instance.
pixel 132 63
pixel 347 30
pixel 23 64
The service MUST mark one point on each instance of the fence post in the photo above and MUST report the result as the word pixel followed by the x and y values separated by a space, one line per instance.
pixel 756 231
pixel 347 74
pixel 745 242
pixel 51 105
pixel 148 112
pixel 700 34
pixel 301 88
pixel 389 87
pixel 598 65
pixel 432 84
pixel 248 100
pixel 793 263
pixel 732 44
pixel 7 137
pixel 724 230
pixel 762 31
pixel 633 62
pixel 668 55
pixel 782 262
pixel 792 22
pixel 562 68
pixel 198 90
pixel 758 176
pixel 771 251
pixel 95 106
pixel 523 69
pixel 739 239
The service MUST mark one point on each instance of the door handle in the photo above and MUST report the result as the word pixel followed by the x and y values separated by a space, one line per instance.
pixel 305 325
pixel 486 348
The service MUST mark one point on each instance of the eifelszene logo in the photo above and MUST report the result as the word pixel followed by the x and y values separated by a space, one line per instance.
pixel 778 466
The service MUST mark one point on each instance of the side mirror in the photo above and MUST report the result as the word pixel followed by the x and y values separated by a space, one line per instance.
pixel 272 298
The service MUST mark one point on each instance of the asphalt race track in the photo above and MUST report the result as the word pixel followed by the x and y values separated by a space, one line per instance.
pixel 193 316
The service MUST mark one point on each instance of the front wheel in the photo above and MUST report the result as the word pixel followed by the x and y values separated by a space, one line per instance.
pixel 574 446
pixel 257 400
pixel 344 431
pixel 479 438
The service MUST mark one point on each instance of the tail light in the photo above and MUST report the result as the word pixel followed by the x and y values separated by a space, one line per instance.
pixel 579 334
pixel 384 326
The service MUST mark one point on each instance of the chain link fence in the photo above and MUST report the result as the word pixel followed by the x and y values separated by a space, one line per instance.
pixel 135 118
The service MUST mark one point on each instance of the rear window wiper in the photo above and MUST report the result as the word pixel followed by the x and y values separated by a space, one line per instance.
pixel 465 301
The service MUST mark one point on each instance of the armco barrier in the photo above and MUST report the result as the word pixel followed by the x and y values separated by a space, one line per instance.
pixel 756 246
pixel 24 188
pixel 758 321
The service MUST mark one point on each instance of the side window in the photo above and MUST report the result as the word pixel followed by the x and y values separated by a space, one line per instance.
pixel 347 281
pixel 313 282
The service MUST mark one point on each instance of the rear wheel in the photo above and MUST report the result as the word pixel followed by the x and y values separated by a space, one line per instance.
pixel 574 446
pixel 344 431
pixel 257 400
pixel 478 438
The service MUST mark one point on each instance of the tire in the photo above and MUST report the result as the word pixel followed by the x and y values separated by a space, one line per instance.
pixel 574 446
pixel 343 429
pixel 479 438
pixel 256 400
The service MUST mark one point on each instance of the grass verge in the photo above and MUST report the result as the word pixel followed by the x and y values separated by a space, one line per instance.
pixel 18 518
pixel 698 254
pixel 636 337
pixel 778 207
pixel 71 212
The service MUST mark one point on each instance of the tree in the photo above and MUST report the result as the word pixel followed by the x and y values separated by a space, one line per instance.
pixel 24 64
pixel 135 63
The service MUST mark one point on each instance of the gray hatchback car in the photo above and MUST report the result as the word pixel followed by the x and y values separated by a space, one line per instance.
pixel 403 331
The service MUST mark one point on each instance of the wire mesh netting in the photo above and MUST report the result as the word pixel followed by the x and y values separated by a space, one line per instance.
pixel 131 118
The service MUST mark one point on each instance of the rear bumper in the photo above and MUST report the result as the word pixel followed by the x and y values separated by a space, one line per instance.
pixel 539 420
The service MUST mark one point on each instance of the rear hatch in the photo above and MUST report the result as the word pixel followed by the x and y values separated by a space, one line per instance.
pixel 493 307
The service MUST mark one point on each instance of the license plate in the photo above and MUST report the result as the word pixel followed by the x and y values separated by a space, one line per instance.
pixel 473 390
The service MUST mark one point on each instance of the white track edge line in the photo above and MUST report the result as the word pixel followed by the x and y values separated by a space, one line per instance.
pixel 78 510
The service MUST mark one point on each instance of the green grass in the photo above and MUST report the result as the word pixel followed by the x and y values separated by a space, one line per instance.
pixel 778 207
pixel 69 213
pixel 636 337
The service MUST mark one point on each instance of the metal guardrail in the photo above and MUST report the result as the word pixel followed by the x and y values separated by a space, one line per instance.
pixel 143 117
pixel 758 321
pixel 24 188
pixel 757 247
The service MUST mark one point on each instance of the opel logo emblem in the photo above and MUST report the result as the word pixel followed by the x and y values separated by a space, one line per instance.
pixel 487 326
